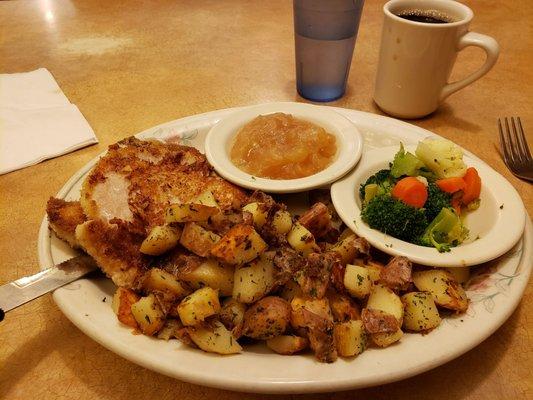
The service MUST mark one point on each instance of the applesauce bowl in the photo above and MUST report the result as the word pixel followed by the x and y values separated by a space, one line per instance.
pixel 349 144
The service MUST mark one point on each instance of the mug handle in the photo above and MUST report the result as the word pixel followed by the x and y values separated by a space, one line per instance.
pixel 492 50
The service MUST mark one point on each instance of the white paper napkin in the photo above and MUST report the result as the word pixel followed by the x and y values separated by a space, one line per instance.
pixel 37 121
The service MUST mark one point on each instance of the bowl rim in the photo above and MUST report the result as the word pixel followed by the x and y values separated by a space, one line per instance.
pixel 349 146
pixel 503 235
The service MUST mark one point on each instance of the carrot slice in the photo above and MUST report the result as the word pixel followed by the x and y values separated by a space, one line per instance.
pixel 451 185
pixel 456 204
pixel 411 191
pixel 473 186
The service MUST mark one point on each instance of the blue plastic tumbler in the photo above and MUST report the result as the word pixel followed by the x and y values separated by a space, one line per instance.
pixel 324 35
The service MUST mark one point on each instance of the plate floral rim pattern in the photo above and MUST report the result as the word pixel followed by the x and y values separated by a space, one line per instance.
pixel 495 288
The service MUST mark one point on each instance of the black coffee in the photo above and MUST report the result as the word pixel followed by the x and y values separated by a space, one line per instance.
pixel 426 16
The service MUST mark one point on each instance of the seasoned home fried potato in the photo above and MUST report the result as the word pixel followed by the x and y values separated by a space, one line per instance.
pixel 122 302
pixel 214 340
pixel 302 240
pixel 421 313
pixel 319 307
pixel 160 240
pixel 444 288
pixel 384 299
pixel 148 315
pixel 160 280
pixel 287 344
pixel 282 222
pixel 357 281
pixel 210 273
pixel 197 306
pixel 197 239
pixel 317 220
pixel 290 290
pixel 350 338
pixel 267 318
pixel 320 335
pixel 206 199
pixel 379 321
pixel 258 211
pixel 232 316
pixel 254 280
pixel 374 270
pixel 170 329
pixel 189 212
pixel 344 234
pixel 461 274
pixel 240 245
pixel 386 338
pixel 343 307
pixel 346 249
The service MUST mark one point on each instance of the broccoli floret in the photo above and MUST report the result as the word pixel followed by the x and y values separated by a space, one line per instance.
pixel 437 200
pixel 382 178
pixel 394 218
pixel 444 232
pixel 405 163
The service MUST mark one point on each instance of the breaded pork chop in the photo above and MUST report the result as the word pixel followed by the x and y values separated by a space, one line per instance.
pixel 115 249
pixel 63 217
pixel 126 194
pixel 137 180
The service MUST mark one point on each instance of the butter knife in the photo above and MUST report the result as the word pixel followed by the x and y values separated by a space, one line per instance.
pixel 25 289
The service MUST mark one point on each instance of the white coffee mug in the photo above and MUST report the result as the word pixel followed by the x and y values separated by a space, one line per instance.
pixel 416 58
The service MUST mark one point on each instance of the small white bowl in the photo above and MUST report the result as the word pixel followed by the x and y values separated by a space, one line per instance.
pixel 494 228
pixel 349 146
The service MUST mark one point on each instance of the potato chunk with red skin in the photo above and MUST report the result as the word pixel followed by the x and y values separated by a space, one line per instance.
pixel 267 318
pixel 317 220
pixel 315 276
pixel 378 321
pixel 351 247
pixel 232 316
pixel 343 307
pixel 396 275
pixel 314 317
pixel 321 338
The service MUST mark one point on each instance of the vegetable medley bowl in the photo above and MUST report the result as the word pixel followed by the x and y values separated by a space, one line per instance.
pixel 494 227
pixel 493 289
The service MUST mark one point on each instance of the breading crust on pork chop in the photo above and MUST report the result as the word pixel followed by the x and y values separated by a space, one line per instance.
pixel 115 249
pixel 137 180
pixel 63 217
pixel 127 193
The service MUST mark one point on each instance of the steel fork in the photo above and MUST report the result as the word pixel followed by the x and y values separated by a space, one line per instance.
pixel 514 148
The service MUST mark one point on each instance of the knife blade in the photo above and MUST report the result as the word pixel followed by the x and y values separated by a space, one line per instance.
pixel 25 289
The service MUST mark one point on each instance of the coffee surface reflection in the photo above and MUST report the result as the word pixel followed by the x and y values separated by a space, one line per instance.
pixel 426 16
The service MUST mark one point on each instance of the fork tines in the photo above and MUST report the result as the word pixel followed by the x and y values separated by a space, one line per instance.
pixel 514 147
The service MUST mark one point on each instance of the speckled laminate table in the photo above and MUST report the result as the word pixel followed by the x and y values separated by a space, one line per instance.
pixel 129 65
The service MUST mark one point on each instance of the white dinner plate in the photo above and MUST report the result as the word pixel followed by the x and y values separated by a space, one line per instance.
pixel 494 228
pixel 221 136
pixel 495 291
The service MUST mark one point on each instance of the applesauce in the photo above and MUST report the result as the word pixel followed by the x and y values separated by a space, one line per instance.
pixel 281 146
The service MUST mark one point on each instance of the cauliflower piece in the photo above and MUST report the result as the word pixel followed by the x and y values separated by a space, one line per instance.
pixel 442 157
